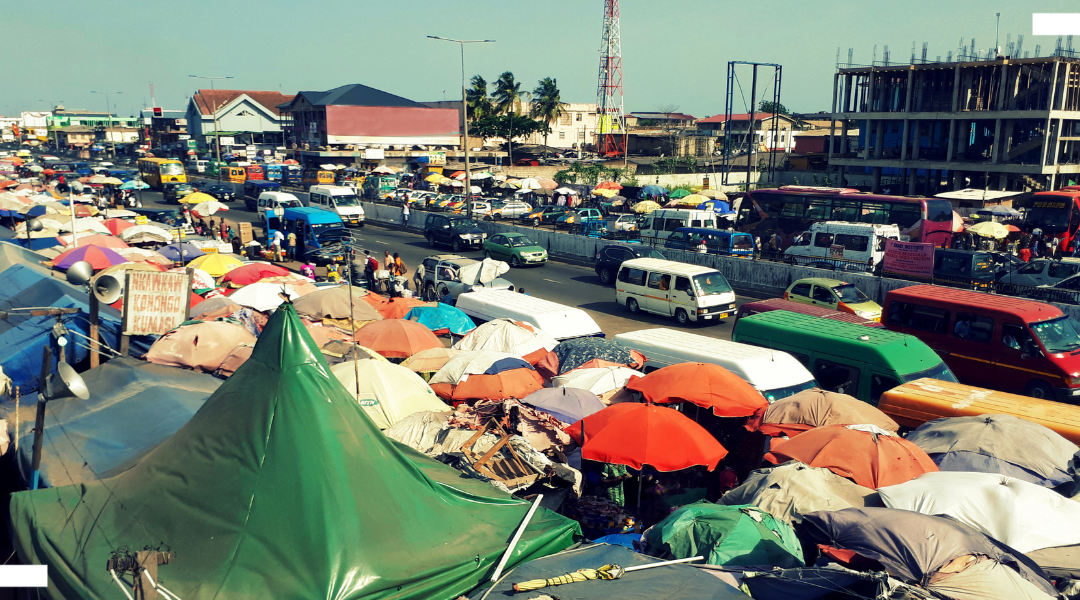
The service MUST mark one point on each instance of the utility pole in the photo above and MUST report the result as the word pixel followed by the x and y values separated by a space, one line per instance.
pixel 465 117
pixel 217 139
pixel 108 111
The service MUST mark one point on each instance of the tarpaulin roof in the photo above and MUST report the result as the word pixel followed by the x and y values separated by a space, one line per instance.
pixel 794 489
pixel 725 535
pixel 282 486
pixel 134 406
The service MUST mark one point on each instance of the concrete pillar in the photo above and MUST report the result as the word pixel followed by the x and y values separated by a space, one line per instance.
pixel 915 143
pixel 995 152
pixel 877 181
pixel 869 139
pixel 879 138
pixel 832 115
pixel 904 140
pixel 950 150
pixel 911 181
pixel 956 89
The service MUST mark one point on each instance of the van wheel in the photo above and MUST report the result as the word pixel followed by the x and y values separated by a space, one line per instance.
pixel 632 305
pixel 682 317
pixel 430 240
pixel 455 246
pixel 1038 388
pixel 429 293
pixel 605 275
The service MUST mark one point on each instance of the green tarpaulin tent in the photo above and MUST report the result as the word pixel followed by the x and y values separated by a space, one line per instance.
pixel 725 535
pixel 281 487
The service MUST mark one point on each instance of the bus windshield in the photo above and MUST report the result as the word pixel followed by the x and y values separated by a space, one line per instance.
pixel 1050 220
pixel 346 200
pixel 711 284
pixel 940 372
pixel 1058 335
pixel 172 169
pixel 939 211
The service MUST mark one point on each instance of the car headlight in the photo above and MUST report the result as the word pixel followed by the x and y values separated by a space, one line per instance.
pixel 1071 381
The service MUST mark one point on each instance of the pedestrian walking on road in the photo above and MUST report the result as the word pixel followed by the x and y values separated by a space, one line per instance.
pixel 276 242
pixel 371 264
pixel 291 241
pixel 405 214
pixel 388 262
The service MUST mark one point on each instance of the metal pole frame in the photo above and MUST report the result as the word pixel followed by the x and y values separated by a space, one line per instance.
pixel 729 96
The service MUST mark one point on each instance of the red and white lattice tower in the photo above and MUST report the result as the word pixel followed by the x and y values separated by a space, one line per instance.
pixel 610 120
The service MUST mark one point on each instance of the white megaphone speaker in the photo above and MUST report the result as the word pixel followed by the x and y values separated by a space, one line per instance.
pixel 108 288
pixel 66 383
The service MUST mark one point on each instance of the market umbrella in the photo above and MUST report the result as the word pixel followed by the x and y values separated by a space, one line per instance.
pixel 218 306
pixel 216 264
pixel 111 181
pixel 915 547
pixel 999 210
pixel 679 193
pixel 396 338
pixel 568 405
pixel 590 353
pixel 1002 444
pixel 140 234
pixel 200 345
pixel 529 183
pixel 1019 514
pixel 144 256
pixel 991 229
pixel 442 318
pixel 652 190
pixel 867 455
pixel 793 490
pixel 134 184
pixel 645 207
pixel 635 434
pixel 433 177
pixel 720 207
pixel 397 308
pixel 333 303
pixel 600 381
pixel 714 194
pixel 704 384
pixel 207 208
pixel 118 213
pixel 690 200
pixel 387 392
pixel 816 408
pixel 383 170
pixel 98 257
pixel 200 280
pixel 102 241
pixel 115 226
pixel 262 296
pixel 83 210
pixel 486 375
pixel 86 224
pixel 606 193
pixel 617 200
pixel 173 251
pixel 740 535
pixel 430 360
pixel 547 184
pixel 565 191
pixel 253 272
pixel 609 185
pixel 513 337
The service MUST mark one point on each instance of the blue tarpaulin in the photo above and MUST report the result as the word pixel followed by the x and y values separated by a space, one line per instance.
pixel 442 316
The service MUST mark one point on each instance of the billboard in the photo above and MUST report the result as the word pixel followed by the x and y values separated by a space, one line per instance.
pixel 908 258
pixel 155 302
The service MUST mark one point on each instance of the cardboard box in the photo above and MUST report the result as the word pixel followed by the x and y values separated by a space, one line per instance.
pixel 245 233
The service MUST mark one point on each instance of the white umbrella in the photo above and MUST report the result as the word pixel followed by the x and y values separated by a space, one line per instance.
pixel 328 167
pixel 476 189
pixel 529 183
pixel 46 223
pixel 205 209
pixel 88 224
pixel 566 191
pixel 480 176
pixel 146 233
pixel 118 213
pixel 262 296
pixel 599 381
pixel 200 280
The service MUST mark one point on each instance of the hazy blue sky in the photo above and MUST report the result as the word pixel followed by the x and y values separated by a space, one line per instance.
pixel 674 51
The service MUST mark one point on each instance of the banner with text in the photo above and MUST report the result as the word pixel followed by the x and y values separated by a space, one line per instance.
pixel 155 302
pixel 909 258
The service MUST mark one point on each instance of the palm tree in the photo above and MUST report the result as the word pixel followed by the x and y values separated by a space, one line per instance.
pixel 547 104
pixel 477 98
pixel 508 97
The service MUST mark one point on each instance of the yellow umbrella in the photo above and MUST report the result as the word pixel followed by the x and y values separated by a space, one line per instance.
pixel 111 181
pixel 605 193
pixel 645 207
pixel 991 229
pixel 714 194
pixel 197 198
pixel 691 200
pixel 216 264
pixel 433 177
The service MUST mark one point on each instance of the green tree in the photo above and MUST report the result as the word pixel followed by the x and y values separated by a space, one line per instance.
pixel 507 127
pixel 477 99
pixel 768 106
pixel 508 96
pixel 547 104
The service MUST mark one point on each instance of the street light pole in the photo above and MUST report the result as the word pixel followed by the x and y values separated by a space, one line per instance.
pixel 465 117
pixel 108 112
pixel 217 139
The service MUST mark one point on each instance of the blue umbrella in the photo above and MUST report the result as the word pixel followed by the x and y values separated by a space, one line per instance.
pixel 442 316
pixel 172 252
pixel 134 184
pixel 718 206
pixel 652 190
pixel 568 405
pixel 35 211
pixel 507 364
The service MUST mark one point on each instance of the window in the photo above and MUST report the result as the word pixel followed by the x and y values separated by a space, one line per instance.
pixel 916 316
pixel 696 223
pixel 1061 270
pixel 682 284
pixel 632 276
pixel 855 243
pixel 1032 268
pixel 836 377
pixel 823 240
pixel 906 214
pixel 677 236
pixel 819 209
pixel 801 289
pixel 823 294
pixel 1017 338
pixel 873 212
pixel 498 239
pixel 562 135
pixel 845 210
pixel 879 384
pixel 619 254
pixel 654 280
pixel 577 116
pixel 672 224
pixel 975 328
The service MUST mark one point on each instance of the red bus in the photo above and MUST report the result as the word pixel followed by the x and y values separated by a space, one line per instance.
pixel 1056 213
pixel 254 173
pixel 791 209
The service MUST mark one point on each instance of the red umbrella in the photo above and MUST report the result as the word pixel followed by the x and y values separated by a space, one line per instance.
pixel 395 338
pixel 8 183
pixel 608 185
pixel 867 455
pixel 512 383
pixel 703 384
pixel 253 272
pixel 635 434
pixel 98 257
pixel 115 226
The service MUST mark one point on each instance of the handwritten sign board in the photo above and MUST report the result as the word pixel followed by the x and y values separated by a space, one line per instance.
pixel 908 258
pixel 155 302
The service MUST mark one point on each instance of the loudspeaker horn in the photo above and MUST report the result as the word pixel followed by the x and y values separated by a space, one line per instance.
pixel 108 288
pixel 66 383
pixel 80 273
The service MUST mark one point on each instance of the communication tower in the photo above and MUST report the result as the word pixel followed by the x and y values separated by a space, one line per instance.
pixel 610 120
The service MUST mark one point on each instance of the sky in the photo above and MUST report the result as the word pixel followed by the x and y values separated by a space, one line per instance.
pixel 674 52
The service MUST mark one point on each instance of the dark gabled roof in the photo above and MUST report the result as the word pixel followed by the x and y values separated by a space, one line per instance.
pixel 356 94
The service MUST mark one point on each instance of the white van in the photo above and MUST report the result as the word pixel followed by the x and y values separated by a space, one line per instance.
pixel 559 321
pixel 856 242
pixel 338 199
pixel 660 223
pixel 665 287
pixel 773 373
pixel 275 203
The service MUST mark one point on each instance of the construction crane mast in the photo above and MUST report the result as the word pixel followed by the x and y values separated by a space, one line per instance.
pixel 610 120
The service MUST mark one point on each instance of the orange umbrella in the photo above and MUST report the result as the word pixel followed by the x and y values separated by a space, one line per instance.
pixel 115 226
pixel 8 183
pixel 635 434
pixel 608 185
pixel 703 384
pixel 512 383
pixel 396 338
pixel 867 455
pixel 816 408
pixel 396 308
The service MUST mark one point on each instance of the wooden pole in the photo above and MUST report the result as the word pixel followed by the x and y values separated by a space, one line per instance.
pixel 95 354
pixel 39 423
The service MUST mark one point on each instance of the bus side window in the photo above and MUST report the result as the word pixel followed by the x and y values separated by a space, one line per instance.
pixel 879 384
pixel 836 377
pixel 1074 221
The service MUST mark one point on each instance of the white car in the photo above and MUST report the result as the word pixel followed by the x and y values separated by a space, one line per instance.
pixel 624 223
pixel 509 210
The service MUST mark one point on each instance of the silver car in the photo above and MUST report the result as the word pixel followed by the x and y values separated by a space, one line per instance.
pixel 441 278
pixel 508 210
pixel 1042 272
